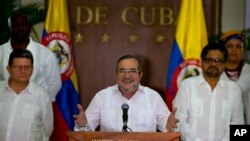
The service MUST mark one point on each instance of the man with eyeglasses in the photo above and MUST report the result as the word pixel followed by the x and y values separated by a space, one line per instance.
pixel 208 104
pixel 46 69
pixel 146 110
pixel 25 107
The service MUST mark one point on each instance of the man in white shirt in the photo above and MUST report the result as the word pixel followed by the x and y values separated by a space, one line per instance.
pixel 25 107
pixel 46 70
pixel 208 104
pixel 146 110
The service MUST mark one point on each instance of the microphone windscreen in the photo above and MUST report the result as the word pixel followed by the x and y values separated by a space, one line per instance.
pixel 125 106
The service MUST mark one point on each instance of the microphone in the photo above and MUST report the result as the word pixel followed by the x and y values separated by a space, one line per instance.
pixel 125 108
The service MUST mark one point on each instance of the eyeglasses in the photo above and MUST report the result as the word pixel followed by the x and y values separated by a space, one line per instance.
pixel 26 68
pixel 210 61
pixel 129 71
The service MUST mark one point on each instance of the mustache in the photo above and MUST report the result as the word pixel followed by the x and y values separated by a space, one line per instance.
pixel 212 67
pixel 126 79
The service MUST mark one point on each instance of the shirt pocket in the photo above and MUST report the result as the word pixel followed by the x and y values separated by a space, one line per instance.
pixel 31 112
pixel 196 107
pixel 110 118
pixel 224 110
pixel 34 117
pixel 147 119
pixel 1 107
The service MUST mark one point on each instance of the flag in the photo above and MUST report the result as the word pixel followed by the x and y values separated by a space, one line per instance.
pixel 190 38
pixel 56 36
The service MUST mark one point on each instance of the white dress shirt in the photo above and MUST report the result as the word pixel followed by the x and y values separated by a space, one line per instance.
pixel 27 116
pixel 147 111
pixel 244 83
pixel 46 70
pixel 205 114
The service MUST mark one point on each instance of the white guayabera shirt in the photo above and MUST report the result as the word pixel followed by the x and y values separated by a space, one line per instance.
pixel 147 111
pixel 205 114
pixel 27 116
pixel 243 82
pixel 46 70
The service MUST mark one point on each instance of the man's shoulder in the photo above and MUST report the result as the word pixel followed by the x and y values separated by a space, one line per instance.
pixel 246 67
pixel 4 45
pixel 230 83
pixel 142 87
pixel 2 85
pixel 37 89
pixel 109 89
pixel 42 48
pixel 193 79
pixel 148 90
pixel 36 86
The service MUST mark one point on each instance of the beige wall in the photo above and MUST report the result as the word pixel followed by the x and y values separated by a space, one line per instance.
pixel 233 15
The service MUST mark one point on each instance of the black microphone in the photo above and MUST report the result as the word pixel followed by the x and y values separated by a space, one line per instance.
pixel 125 108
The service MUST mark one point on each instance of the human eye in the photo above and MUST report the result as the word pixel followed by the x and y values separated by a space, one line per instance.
pixel 239 47
pixel 27 67
pixel 208 60
pixel 19 67
pixel 228 46
pixel 219 61
pixel 121 70
pixel 133 71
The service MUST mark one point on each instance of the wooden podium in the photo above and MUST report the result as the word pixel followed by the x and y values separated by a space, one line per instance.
pixel 122 136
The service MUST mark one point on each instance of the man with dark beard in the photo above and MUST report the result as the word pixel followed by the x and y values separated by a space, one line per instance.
pixel 207 104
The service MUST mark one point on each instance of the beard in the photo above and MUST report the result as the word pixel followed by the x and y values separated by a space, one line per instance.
pixel 132 89
pixel 213 71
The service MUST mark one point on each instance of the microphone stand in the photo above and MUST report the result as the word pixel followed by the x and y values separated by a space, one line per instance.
pixel 125 108
pixel 124 128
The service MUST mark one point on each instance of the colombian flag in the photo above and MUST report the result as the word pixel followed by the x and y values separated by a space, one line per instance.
pixel 190 38
pixel 56 36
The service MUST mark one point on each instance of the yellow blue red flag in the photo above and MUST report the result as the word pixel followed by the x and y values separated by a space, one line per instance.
pixel 190 38
pixel 56 36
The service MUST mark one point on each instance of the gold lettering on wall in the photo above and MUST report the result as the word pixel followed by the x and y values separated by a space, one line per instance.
pixel 125 13
pixel 143 16
pixel 166 16
pixel 101 15
pixel 130 16
pixel 89 13
pixel 86 15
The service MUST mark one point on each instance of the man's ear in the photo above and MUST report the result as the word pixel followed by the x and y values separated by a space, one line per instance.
pixel 141 74
pixel 8 68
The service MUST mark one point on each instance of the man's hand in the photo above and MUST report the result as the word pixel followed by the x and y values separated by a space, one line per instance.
pixel 172 121
pixel 80 119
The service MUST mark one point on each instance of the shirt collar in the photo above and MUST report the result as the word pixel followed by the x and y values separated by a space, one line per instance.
pixel 31 43
pixel 29 89
pixel 140 89
pixel 28 47
pixel 201 81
